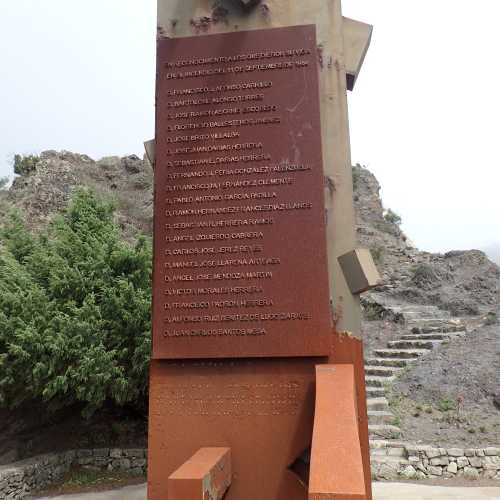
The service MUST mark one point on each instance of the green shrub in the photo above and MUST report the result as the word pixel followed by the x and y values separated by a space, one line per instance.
pixel 24 165
pixel 424 274
pixel 3 183
pixel 378 254
pixel 491 319
pixel 74 311
pixel 447 404
pixel 356 176
pixel 392 217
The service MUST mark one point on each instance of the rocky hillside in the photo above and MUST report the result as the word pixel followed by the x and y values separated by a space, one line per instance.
pixel 463 283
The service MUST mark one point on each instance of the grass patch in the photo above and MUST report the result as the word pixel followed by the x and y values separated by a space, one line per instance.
pixel 491 319
pixel 80 480
pixel 447 404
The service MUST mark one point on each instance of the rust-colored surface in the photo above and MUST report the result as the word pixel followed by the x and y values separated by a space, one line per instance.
pixel 262 409
pixel 240 247
pixel 336 461
pixel 205 476
pixel 349 350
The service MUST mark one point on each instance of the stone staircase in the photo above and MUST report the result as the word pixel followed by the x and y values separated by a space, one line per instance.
pixel 426 327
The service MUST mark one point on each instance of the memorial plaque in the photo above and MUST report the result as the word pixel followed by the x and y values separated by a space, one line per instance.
pixel 262 409
pixel 240 246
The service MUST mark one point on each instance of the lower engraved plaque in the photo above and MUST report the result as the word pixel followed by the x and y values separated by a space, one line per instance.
pixel 240 248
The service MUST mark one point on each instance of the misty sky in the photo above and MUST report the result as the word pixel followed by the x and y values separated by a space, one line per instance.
pixel 424 115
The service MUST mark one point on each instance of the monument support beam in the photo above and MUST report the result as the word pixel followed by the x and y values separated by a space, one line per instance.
pixel 336 463
pixel 180 18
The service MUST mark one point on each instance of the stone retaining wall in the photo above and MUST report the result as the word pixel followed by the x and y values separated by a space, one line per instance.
pixel 390 461
pixel 407 461
pixel 21 479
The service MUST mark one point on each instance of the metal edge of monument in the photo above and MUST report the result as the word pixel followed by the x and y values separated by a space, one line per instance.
pixel 240 264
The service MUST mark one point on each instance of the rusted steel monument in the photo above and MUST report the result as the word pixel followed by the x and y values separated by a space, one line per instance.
pixel 257 380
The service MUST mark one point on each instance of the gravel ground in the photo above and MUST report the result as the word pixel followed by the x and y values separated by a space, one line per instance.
pixel 452 396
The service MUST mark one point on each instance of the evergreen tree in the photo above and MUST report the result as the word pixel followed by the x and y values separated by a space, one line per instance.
pixel 74 311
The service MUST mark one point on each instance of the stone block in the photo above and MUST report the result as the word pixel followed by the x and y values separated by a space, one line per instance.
pixel 471 474
pixel 139 462
pixel 359 270
pixel 435 471
pixel 396 452
pixel 492 452
pixel 134 453
pixel 474 462
pixel 480 453
pixel 452 468
pixel 101 452
pixel 491 463
pixel 440 461
pixel 84 453
pixel 470 453
pixel 456 452
pixel 115 453
pixel 408 472
pixel 387 472
pixel 432 453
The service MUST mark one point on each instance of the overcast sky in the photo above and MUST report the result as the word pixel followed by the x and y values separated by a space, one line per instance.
pixel 424 115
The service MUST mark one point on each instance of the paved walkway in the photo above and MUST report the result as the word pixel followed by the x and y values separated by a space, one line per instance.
pixel 382 491
pixel 393 491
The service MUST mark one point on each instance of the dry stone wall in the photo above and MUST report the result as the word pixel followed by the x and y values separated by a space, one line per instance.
pixel 22 479
pixel 392 461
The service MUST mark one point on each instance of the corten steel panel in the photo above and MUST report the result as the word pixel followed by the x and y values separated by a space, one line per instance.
pixel 349 350
pixel 207 474
pixel 336 461
pixel 263 409
pixel 240 246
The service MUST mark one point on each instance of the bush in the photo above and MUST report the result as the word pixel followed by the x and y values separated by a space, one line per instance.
pixel 491 319
pixel 392 217
pixel 74 311
pixel 424 275
pixel 24 165
pixel 3 183
pixel 378 254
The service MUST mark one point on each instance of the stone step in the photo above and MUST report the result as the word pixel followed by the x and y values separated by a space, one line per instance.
pixel 384 431
pixel 401 353
pixel 434 323
pixel 381 417
pixel 375 392
pixel 431 336
pixel 394 362
pixel 382 371
pixel 439 329
pixel 373 381
pixel 376 444
pixel 394 461
pixel 414 344
pixel 377 404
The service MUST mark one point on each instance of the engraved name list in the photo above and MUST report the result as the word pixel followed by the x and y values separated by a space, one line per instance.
pixel 240 249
